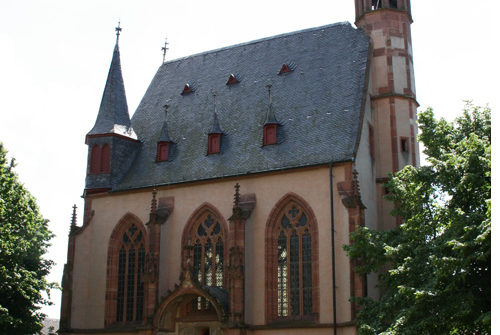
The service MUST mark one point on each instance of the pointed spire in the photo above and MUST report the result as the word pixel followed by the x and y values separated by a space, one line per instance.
pixel 270 117
pixel 153 201
pixel 73 227
pixel 236 202
pixel 73 217
pixel 113 116
pixel 164 137
pixel 215 125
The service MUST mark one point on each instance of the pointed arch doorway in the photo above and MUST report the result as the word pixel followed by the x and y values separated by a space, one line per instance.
pixel 192 310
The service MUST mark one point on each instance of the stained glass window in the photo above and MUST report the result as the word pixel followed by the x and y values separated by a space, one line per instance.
pixel 208 254
pixel 294 263
pixel 130 290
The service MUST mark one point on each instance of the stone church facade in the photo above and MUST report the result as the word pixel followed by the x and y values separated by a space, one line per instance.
pixel 222 205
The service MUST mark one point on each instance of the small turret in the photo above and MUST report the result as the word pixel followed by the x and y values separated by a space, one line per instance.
pixel 112 141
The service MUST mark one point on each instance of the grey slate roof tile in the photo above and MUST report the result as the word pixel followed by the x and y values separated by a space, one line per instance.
pixel 318 106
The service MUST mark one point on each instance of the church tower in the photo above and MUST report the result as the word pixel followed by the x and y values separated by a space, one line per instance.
pixel 112 142
pixel 392 91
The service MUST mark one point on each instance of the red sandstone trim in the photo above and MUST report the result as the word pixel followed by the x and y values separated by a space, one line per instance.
pixel 112 263
pixel 271 293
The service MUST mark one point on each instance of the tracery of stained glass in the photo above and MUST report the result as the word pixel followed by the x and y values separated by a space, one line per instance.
pixel 294 263
pixel 130 290
pixel 208 255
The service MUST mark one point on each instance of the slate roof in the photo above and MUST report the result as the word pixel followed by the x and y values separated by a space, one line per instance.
pixel 113 117
pixel 318 106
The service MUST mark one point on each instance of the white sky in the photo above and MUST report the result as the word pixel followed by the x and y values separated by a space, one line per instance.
pixel 55 56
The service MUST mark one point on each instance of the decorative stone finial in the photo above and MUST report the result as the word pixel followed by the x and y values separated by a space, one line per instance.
pixel 73 217
pixel 236 195
pixel 153 201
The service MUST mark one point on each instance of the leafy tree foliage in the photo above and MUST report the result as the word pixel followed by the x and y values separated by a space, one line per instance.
pixel 434 269
pixel 24 238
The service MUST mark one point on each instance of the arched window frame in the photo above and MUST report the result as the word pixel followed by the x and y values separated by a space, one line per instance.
pixel 192 225
pixel 272 235
pixel 113 268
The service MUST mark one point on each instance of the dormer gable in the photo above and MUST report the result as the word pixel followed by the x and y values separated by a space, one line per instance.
pixel 287 68
pixel 215 134
pixel 164 145
pixel 188 88
pixel 233 79
pixel 270 135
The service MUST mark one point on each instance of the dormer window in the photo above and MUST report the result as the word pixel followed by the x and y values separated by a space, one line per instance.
pixel 270 131
pixel 213 143
pixel 232 80
pixel 187 89
pixel 162 152
pixel 287 68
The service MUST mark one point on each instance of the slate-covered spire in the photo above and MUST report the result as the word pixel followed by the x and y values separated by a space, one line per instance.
pixel 215 125
pixel 270 117
pixel 113 116
pixel 164 137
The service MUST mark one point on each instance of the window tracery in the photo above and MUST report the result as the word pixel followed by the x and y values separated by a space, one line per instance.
pixel 292 250
pixel 125 286
pixel 206 237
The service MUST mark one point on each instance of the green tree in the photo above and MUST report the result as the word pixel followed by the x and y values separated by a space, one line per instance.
pixel 434 269
pixel 24 238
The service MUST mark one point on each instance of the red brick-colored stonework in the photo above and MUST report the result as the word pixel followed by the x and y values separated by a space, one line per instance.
pixel 271 294
pixel 356 218
pixel 112 264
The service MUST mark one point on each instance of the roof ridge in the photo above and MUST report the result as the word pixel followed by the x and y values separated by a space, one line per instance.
pixel 259 40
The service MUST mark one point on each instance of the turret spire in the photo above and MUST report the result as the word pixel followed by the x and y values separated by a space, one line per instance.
pixel 215 126
pixel 113 116
pixel 270 118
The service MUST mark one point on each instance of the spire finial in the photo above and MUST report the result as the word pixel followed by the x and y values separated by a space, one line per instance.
pixel 164 49
pixel 214 93
pixel 73 216
pixel 118 31
pixel 166 106
pixel 269 92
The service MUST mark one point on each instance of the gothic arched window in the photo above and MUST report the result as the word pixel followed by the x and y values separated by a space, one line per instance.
pixel 208 251
pixel 292 251
pixel 205 236
pixel 125 290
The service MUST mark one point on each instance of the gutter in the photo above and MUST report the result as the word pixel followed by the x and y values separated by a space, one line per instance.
pixel 332 223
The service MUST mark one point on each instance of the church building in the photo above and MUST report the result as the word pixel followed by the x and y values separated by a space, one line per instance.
pixel 222 205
